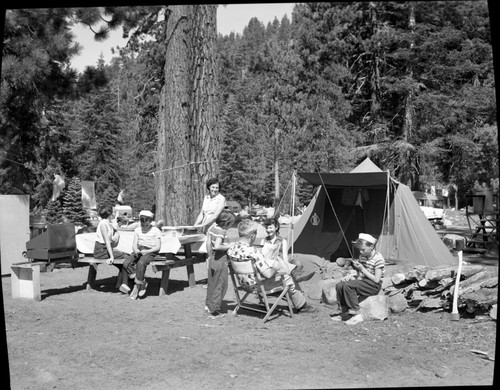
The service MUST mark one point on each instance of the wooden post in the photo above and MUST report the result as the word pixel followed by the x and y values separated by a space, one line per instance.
pixel 189 267
pixel 165 275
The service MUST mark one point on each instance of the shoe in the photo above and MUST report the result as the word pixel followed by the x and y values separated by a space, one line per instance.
pixel 336 318
pixel 308 309
pixel 354 320
pixel 134 293
pixel 353 312
pixel 207 310
pixel 142 291
pixel 124 289
pixel 215 314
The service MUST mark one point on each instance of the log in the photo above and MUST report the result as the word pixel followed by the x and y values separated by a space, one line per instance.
pixel 473 279
pixel 417 273
pixel 450 272
pixel 482 284
pixel 430 303
pixel 398 278
pixel 443 285
pixel 480 300
pixel 416 298
pixel 427 284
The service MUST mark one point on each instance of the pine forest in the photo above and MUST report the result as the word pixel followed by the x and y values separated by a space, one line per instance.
pixel 408 84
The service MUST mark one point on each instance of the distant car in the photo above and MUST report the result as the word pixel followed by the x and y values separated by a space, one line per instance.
pixel 233 206
pixel 434 215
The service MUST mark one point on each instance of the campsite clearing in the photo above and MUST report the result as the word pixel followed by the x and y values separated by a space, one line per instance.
pixel 82 339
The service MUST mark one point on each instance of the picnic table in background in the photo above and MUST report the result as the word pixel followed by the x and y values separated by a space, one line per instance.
pixel 176 251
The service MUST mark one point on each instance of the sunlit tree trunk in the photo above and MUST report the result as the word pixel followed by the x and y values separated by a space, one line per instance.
pixel 408 118
pixel 188 135
pixel 375 74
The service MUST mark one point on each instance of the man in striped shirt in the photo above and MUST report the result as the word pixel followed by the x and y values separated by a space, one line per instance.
pixel 370 270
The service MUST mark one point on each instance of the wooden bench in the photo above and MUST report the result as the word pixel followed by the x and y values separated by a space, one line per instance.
pixel 160 263
pixel 25 279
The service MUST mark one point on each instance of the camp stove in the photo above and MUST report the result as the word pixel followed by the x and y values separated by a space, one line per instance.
pixel 56 243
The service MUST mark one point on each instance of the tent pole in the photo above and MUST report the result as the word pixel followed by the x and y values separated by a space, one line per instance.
pixel 386 212
pixel 293 207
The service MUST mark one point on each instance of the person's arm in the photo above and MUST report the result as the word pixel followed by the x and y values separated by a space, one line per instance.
pixel 199 218
pixel 220 246
pixel 285 250
pixel 264 267
pixel 363 271
pixel 135 248
pixel 104 233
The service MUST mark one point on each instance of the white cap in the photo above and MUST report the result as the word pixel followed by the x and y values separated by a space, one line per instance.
pixel 368 238
pixel 146 213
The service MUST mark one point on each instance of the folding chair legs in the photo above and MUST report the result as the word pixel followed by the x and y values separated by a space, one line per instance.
pixel 263 296
pixel 285 294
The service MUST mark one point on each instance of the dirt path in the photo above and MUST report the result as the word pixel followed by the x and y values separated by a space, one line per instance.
pixel 78 339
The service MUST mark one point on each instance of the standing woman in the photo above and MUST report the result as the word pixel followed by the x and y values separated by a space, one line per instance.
pixel 213 204
pixel 107 238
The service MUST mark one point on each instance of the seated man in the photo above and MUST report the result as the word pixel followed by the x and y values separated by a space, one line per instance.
pixel 268 268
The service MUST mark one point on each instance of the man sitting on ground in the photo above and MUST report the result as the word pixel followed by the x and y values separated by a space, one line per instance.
pixel 268 268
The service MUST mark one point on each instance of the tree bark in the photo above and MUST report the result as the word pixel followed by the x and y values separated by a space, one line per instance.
pixel 188 135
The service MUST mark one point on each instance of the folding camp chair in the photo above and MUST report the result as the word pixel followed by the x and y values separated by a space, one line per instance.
pixel 247 280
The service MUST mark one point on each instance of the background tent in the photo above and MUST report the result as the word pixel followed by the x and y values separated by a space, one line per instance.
pixel 367 200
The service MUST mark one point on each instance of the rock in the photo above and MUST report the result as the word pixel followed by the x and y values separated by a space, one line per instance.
pixel 375 308
pixel 386 282
pixel 397 303
pixel 329 293
pixel 312 288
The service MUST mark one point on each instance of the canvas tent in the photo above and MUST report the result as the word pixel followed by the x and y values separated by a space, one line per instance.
pixel 367 200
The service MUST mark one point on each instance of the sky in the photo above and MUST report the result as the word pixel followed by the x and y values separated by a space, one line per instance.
pixel 230 18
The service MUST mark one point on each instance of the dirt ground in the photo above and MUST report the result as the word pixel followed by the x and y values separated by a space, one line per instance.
pixel 101 339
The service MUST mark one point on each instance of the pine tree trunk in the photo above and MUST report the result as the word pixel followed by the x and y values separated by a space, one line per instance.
pixel 408 118
pixel 188 135
pixel 276 171
pixel 375 74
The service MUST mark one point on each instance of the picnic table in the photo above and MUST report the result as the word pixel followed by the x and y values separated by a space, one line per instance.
pixel 180 251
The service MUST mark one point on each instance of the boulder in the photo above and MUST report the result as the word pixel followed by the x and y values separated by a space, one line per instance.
pixel 397 303
pixel 329 293
pixel 375 308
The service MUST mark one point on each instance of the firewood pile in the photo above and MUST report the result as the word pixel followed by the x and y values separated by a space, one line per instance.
pixel 432 289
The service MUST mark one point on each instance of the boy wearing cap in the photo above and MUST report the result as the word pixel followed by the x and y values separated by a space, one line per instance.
pixel 370 269
pixel 146 245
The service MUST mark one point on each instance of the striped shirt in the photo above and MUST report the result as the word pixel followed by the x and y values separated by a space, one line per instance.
pixel 214 232
pixel 376 261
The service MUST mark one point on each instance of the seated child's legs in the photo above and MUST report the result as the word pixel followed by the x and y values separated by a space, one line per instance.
pixel 141 266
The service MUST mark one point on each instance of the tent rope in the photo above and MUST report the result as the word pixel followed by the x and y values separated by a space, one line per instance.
pixel 335 213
